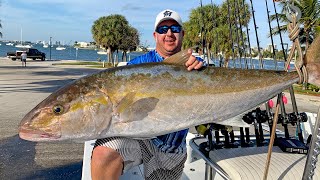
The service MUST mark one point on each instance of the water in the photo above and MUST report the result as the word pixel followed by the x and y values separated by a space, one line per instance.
pixel 70 53
pixel 267 64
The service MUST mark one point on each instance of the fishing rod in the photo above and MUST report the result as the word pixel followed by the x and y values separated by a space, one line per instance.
pixel 241 35
pixel 237 32
pixel 280 35
pixel 284 116
pixel 203 32
pixel 257 38
pixel 270 116
pixel 296 113
pixel 270 30
pixel 230 33
pixel 248 36
pixel 216 36
pixel 243 49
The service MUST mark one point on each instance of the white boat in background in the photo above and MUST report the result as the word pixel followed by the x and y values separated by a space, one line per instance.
pixel 102 52
pixel 45 46
pixel 9 44
pixel 23 46
pixel 59 48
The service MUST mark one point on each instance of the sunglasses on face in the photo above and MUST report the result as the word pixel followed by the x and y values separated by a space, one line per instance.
pixel 164 29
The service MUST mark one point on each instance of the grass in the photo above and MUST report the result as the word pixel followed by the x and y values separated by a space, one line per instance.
pixel 86 63
pixel 79 63
pixel 309 91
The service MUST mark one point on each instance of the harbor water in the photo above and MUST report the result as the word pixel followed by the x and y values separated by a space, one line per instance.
pixel 71 53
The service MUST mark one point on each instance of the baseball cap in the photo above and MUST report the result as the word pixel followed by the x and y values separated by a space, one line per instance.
pixel 166 15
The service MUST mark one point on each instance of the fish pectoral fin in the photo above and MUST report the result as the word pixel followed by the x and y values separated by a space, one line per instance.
pixel 139 109
pixel 125 102
pixel 179 58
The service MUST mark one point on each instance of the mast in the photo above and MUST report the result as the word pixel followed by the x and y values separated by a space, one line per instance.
pixel 21 36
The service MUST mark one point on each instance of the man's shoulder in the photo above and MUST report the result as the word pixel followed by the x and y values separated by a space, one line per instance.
pixel 145 58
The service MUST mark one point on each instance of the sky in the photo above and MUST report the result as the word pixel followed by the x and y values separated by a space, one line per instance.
pixel 71 20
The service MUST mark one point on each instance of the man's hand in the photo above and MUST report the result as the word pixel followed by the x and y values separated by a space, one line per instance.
pixel 192 62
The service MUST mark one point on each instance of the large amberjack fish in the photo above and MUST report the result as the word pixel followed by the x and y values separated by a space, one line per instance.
pixel 146 100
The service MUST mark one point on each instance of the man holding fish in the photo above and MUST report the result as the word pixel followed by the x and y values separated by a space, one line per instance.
pixel 148 100
pixel 163 157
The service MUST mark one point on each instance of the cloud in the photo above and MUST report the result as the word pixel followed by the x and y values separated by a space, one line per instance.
pixel 131 7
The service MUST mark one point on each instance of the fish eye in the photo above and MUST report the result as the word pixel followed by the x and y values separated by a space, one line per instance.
pixel 57 109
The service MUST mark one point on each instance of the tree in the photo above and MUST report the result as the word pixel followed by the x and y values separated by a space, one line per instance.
pixel 212 22
pixel 310 19
pixel 129 42
pixel 110 32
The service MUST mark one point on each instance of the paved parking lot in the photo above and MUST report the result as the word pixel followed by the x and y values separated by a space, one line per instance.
pixel 21 89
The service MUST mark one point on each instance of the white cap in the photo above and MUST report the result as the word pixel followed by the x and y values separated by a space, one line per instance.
pixel 166 15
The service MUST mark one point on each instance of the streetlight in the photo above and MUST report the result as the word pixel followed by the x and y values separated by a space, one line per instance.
pixel 50 48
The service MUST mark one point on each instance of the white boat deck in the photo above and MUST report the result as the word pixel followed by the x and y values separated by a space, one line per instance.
pixel 194 166
pixel 249 163
pixel 238 163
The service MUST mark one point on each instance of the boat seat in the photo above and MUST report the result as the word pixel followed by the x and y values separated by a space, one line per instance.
pixel 249 163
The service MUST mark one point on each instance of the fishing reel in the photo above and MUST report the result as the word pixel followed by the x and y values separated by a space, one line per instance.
pixel 256 116
pixel 293 118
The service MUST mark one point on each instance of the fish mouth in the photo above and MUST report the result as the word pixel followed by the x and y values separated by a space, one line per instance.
pixel 36 135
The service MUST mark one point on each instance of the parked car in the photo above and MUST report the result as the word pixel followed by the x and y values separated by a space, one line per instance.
pixel 31 54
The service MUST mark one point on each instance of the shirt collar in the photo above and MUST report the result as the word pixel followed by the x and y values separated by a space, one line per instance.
pixel 159 56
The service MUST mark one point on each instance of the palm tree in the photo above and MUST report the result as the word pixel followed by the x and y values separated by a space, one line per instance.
pixel 211 20
pixel 310 19
pixel 129 42
pixel 108 31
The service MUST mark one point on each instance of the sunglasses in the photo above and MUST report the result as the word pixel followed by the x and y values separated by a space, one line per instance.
pixel 164 29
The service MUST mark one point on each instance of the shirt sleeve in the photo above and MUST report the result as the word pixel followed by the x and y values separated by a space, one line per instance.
pixel 149 57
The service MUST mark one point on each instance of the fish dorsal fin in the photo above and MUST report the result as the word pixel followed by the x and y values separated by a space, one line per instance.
pixel 179 58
